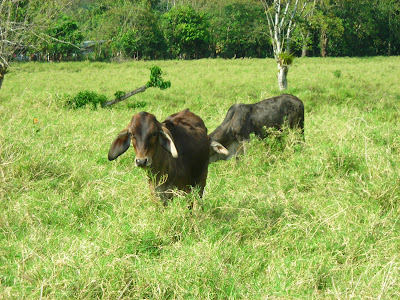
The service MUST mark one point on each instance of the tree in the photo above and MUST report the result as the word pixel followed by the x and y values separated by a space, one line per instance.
pixel 21 23
pixel 359 28
pixel 143 38
pixel 238 31
pixel 282 16
pixel 64 36
pixel 12 28
pixel 323 25
pixel 329 25
pixel 130 28
pixel 387 21
pixel 187 32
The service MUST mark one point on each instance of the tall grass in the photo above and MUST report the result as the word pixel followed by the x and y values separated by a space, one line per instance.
pixel 290 219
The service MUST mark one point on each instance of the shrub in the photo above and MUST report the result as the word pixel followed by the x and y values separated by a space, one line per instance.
pixel 84 98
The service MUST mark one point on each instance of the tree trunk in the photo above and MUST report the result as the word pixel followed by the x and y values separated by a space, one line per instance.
pixel 304 51
pixel 3 72
pixel 282 73
pixel 137 91
pixel 324 44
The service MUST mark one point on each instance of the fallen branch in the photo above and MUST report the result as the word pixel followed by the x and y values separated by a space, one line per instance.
pixel 119 99
pixel 155 81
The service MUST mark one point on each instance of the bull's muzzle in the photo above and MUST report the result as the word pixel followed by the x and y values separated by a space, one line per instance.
pixel 142 162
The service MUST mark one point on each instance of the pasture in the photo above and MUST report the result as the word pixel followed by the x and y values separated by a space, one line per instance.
pixel 318 219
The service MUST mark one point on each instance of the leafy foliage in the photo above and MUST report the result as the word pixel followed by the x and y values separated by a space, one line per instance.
pixel 187 29
pixel 119 94
pixel 137 104
pixel 139 34
pixel 285 58
pixel 156 79
pixel 237 31
pixel 84 98
pixel 64 36
pixel 187 32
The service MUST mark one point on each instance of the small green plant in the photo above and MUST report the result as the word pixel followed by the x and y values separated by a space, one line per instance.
pixel 137 104
pixel 84 98
pixel 156 80
pixel 285 58
pixel 149 244
pixel 119 94
pixel 337 73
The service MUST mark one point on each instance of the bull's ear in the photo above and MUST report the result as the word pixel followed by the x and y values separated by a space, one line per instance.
pixel 217 147
pixel 120 144
pixel 166 141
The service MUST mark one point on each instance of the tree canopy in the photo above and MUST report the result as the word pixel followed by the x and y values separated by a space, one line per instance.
pixel 187 29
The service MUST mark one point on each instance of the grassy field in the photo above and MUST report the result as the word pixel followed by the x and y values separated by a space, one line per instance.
pixel 318 219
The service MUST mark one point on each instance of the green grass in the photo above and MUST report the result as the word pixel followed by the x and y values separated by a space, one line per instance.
pixel 318 219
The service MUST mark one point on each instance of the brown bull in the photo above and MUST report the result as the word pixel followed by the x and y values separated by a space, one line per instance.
pixel 176 151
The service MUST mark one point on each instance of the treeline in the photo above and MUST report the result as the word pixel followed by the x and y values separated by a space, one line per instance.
pixel 190 29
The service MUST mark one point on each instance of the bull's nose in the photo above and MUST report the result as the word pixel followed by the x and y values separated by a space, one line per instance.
pixel 141 162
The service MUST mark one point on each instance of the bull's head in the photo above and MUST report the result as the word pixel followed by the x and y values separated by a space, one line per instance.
pixel 146 134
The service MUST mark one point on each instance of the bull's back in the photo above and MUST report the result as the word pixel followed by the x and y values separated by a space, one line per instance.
pixel 273 112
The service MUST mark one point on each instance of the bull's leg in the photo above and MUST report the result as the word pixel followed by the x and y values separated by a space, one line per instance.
pixel 159 188
pixel 260 133
pixel 297 123
pixel 193 197
pixel 156 195
pixel 243 141
pixel 201 182
pixel 198 182
pixel 242 150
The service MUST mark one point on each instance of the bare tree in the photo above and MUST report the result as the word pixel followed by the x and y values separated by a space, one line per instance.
pixel 282 16
pixel 22 22
pixel 9 29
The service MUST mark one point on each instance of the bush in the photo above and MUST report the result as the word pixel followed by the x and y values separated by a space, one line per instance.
pixel 86 97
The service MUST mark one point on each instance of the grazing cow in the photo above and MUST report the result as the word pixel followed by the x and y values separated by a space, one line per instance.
pixel 244 119
pixel 176 151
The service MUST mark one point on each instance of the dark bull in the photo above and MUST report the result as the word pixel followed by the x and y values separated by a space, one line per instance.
pixel 243 119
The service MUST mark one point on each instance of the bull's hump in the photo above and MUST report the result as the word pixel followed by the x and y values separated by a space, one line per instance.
pixel 186 119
